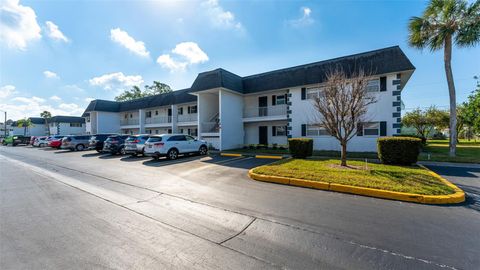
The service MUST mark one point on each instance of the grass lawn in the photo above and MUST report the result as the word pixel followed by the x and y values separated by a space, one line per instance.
pixel 411 179
pixel 438 150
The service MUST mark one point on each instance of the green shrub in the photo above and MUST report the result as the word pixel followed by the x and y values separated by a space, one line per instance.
pixel 300 147
pixel 398 150
pixel 424 140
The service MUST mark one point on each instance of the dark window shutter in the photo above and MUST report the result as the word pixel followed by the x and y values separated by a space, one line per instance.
pixel 304 130
pixel 383 84
pixel 383 128
pixel 274 100
pixel 286 98
pixel 274 131
pixel 360 129
pixel 304 93
pixel 188 109
pixel 169 112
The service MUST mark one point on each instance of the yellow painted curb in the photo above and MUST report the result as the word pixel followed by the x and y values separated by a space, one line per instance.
pixel 269 157
pixel 457 197
pixel 230 155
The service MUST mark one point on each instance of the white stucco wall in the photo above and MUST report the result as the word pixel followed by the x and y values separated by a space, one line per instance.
pixel 231 120
pixel 108 122
pixel 208 106
pixel 303 112
pixel 252 132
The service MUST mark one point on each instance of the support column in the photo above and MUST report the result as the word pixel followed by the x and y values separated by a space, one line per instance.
pixel 174 118
pixel 141 121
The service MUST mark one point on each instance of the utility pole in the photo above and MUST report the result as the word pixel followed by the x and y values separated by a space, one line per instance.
pixel 5 123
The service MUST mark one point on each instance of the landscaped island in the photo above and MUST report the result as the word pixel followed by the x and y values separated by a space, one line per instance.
pixel 408 179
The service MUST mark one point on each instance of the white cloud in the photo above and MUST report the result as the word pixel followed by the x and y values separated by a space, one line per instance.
pixel 18 24
pixel 50 74
pixel 88 99
pixel 32 100
pixel 305 20
pixel 221 18
pixel 55 98
pixel 6 91
pixel 116 81
pixel 123 38
pixel 72 88
pixel 54 32
pixel 187 53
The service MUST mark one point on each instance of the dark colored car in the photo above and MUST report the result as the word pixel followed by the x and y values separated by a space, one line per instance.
pixel 115 144
pixel 96 141
pixel 135 144
pixel 16 140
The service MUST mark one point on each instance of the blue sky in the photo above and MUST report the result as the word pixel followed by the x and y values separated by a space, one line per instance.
pixel 57 55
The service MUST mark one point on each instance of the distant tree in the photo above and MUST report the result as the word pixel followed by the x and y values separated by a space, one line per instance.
pixel 46 115
pixel 443 23
pixel 26 123
pixel 472 109
pixel 342 105
pixel 424 121
pixel 155 89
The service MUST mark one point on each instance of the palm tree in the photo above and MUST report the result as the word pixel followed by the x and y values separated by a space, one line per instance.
pixel 25 123
pixel 444 23
pixel 46 115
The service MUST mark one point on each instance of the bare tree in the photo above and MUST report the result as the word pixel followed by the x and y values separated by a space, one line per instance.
pixel 342 105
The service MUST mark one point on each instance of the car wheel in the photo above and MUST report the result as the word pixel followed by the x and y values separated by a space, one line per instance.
pixel 203 150
pixel 42 145
pixel 143 152
pixel 122 151
pixel 134 154
pixel 155 157
pixel 99 151
pixel 172 154
pixel 80 147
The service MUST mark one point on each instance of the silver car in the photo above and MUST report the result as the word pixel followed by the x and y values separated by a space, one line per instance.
pixel 75 142
pixel 135 144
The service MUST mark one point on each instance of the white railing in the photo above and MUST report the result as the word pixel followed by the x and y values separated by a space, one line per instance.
pixel 210 127
pixel 158 120
pixel 265 111
pixel 187 117
pixel 129 121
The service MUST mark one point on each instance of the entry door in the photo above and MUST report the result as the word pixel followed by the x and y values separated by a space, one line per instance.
pixel 263 135
pixel 262 106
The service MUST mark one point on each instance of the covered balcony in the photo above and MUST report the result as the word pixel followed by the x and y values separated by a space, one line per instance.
pixel 277 112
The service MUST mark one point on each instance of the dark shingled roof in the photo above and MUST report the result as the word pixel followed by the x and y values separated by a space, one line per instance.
pixel 66 119
pixel 175 97
pixel 37 120
pixel 387 60
pixel 382 61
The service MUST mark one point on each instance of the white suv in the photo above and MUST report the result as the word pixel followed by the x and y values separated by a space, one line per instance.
pixel 172 145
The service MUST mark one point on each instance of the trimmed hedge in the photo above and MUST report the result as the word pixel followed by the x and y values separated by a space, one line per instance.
pixel 424 140
pixel 398 150
pixel 300 147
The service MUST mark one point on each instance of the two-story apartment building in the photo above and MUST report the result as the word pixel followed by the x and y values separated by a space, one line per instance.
pixel 57 125
pixel 229 111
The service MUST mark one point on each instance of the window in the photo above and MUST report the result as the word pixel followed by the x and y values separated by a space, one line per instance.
pixel 373 85
pixel 193 132
pixel 189 138
pixel 314 130
pixel 149 131
pixel 156 131
pixel 169 131
pixel 126 116
pixel 87 119
pixel 177 138
pixel 192 109
pixel 180 110
pixel 279 131
pixel 148 114
pixel 75 124
pixel 156 112
pixel 371 129
pixel 314 92
pixel 181 130
pixel 280 100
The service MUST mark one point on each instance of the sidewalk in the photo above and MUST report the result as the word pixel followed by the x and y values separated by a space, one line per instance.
pixel 450 164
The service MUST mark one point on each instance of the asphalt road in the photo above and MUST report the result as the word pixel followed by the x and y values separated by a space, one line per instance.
pixel 77 210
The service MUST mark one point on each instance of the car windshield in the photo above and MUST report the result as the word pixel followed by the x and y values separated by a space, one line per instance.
pixel 131 139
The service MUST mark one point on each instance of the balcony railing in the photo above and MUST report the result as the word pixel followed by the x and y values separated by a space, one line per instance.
pixel 129 121
pixel 277 110
pixel 210 127
pixel 158 120
pixel 187 117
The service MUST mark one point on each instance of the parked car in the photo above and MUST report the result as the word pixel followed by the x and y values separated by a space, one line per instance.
pixel 115 144
pixel 96 141
pixel 32 140
pixel 16 140
pixel 41 141
pixel 75 142
pixel 55 141
pixel 135 144
pixel 172 145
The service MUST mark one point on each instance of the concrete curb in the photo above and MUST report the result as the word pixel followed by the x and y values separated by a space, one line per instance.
pixel 251 155
pixel 457 197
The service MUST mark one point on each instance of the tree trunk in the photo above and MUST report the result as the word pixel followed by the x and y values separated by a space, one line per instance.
pixel 451 91
pixel 344 154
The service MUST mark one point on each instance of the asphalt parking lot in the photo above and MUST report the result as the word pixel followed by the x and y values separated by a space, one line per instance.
pixel 204 212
